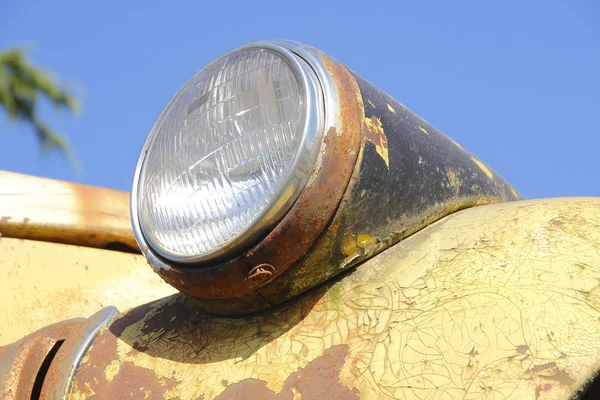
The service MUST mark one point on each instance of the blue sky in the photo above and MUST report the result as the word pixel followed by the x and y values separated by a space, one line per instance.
pixel 516 83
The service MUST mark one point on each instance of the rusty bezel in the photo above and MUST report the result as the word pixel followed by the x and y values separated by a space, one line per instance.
pixel 293 236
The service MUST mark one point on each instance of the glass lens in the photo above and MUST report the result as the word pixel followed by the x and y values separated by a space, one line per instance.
pixel 220 153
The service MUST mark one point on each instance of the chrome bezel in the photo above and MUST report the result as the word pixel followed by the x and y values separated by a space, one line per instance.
pixel 307 156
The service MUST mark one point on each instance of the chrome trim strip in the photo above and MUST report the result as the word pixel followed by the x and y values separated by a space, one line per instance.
pixel 71 352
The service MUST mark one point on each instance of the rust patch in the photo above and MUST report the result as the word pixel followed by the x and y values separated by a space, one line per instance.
pixel 171 329
pixel 21 361
pixel 100 354
pixel 557 222
pixel 103 379
pixel 64 212
pixel 135 383
pixel 542 367
pixel 522 349
pixel 540 389
pixel 561 377
pixel 552 372
pixel 61 372
pixel 262 273
pixel 318 380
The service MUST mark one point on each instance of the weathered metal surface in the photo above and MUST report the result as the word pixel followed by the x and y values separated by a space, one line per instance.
pixel 408 175
pixel 64 212
pixel 411 170
pixel 299 229
pixel 61 372
pixel 43 282
pixel 497 301
pixel 24 363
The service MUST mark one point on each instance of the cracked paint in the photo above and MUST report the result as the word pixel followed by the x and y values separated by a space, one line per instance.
pixel 474 305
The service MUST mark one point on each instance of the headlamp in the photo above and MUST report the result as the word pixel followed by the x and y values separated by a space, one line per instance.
pixel 229 155
pixel 275 168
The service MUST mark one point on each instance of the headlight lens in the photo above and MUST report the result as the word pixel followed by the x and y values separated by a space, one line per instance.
pixel 229 155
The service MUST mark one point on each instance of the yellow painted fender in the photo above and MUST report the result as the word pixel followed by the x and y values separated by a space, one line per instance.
pixel 53 259
pixel 496 301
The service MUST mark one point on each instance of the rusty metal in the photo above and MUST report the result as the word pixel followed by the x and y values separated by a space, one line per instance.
pixel 60 375
pixel 500 300
pixel 299 229
pixel 409 175
pixel 23 364
pixel 64 212
pixel 262 273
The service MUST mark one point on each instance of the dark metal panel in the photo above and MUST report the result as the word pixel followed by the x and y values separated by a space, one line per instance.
pixel 408 175
pixel 410 170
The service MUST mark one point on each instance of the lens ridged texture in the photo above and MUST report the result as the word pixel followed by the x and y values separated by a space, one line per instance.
pixel 219 153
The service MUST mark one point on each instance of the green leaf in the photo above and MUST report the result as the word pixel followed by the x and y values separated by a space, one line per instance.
pixel 21 86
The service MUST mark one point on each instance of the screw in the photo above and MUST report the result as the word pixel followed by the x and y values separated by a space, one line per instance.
pixel 261 273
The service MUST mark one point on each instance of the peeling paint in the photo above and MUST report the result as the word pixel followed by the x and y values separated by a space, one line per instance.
pixel 453 179
pixel 112 370
pixel 441 313
pixel 318 380
pixel 376 135
pixel 348 245
pixel 363 240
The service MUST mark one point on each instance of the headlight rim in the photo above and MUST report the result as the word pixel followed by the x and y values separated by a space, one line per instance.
pixel 298 174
